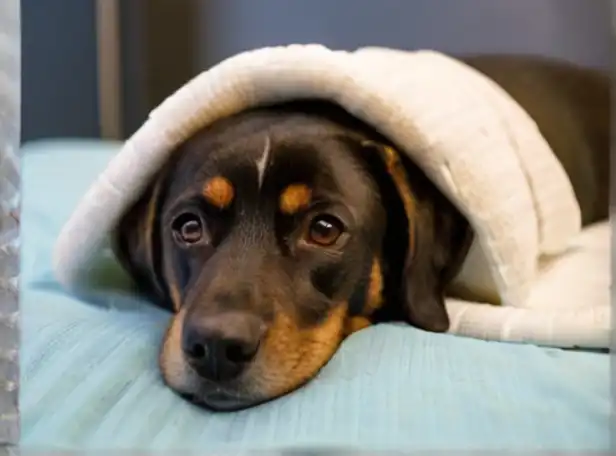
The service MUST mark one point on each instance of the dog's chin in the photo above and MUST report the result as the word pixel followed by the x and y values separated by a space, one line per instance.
pixel 219 397
pixel 221 401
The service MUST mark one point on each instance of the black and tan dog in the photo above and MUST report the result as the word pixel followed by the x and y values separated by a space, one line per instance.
pixel 275 233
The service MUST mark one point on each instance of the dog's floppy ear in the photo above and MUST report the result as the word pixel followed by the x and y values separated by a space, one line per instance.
pixel 439 238
pixel 442 238
pixel 137 241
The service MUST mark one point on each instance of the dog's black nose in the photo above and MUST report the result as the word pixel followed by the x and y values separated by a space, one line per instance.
pixel 219 347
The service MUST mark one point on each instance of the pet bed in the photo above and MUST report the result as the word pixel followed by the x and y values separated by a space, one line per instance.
pixel 473 140
pixel 89 378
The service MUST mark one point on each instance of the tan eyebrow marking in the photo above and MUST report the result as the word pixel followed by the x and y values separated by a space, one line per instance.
pixel 294 198
pixel 263 161
pixel 219 192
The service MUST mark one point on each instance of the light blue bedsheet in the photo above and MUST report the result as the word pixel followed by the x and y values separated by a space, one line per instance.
pixel 89 374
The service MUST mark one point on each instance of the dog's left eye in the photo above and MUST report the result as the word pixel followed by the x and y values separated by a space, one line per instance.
pixel 325 230
pixel 188 228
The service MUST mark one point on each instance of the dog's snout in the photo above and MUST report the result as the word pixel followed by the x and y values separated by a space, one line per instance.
pixel 219 347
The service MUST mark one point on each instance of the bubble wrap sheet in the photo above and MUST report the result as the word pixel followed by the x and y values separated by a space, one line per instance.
pixel 9 217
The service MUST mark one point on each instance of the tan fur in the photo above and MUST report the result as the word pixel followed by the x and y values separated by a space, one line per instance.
pixel 398 174
pixel 176 372
pixel 291 356
pixel 374 298
pixel 355 324
pixel 219 192
pixel 294 198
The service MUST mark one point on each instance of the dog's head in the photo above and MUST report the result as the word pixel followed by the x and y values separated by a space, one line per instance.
pixel 275 233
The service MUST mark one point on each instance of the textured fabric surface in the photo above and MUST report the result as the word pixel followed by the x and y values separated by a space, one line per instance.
pixel 9 216
pixel 578 281
pixel 90 379
pixel 473 140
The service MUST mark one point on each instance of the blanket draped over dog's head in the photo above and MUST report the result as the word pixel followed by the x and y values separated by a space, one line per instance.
pixel 473 140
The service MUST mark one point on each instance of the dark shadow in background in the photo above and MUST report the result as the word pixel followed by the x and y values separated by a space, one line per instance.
pixel 59 82
pixel 158 55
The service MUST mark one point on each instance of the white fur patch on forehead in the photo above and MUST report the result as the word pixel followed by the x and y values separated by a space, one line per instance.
pixel 263 161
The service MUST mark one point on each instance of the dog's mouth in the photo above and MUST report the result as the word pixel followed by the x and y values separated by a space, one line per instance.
pixel 217 396
pixel 218 400
pixel 229 396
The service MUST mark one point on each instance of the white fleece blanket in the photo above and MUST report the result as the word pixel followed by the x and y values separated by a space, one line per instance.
pixel 473 140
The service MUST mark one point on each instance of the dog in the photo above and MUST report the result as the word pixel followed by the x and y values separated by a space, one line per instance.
pixel 275 233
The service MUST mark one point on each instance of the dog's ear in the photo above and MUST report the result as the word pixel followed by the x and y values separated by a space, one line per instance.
pixel 438 239
pixel 136 241
pixel 440 242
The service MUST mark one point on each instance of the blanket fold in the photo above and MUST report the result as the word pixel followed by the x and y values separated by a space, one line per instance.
pixel 470 137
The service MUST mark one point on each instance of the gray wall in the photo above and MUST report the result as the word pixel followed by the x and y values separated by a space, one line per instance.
pixel 59 83
pixel 167 41
pixel 577 30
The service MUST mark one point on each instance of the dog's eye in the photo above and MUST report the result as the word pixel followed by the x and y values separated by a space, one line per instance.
pixel 188 229
pixel 325 230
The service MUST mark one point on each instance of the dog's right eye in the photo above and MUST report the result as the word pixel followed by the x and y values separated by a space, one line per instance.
pixel 324 230
pixel 188 228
